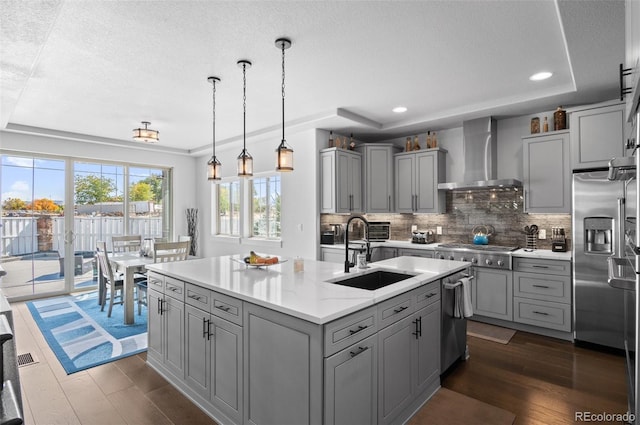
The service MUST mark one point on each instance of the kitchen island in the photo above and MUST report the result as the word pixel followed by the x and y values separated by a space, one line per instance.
pixel 267 345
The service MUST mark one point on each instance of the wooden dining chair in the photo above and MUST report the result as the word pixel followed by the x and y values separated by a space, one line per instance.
pixel 110 281
pixel 131 243
pixel 163 252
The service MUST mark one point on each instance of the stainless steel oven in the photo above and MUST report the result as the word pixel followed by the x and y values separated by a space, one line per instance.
pixel 379 231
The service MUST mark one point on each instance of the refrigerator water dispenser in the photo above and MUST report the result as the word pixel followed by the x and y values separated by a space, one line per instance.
pixel 598 235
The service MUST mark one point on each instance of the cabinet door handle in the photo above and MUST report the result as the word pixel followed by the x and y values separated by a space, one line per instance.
pixel 389 203
pixel 541 286
pixel 420 326
pixel 400 309
pixel 417 202
pixel 360 351
pixel 360 328
pixel 160 311
pixel 542 313
pixel 205 328
pixel 416 333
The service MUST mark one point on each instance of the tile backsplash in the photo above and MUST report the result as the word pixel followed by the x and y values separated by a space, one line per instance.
pixel 502 209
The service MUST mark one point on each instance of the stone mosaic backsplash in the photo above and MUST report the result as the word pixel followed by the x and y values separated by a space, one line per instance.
pixel 502 209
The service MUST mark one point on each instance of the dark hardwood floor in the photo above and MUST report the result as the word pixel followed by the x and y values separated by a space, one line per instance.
pixel 541 380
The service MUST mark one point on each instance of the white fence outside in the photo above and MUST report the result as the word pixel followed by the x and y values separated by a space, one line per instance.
pixel 20 235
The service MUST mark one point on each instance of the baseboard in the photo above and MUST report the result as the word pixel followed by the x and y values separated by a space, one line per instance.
pixel 566 336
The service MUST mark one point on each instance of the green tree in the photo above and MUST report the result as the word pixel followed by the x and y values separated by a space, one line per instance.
pixel 93 189
pixel 223 201
pixel 14 204
pixel 141 191
pixel 155 182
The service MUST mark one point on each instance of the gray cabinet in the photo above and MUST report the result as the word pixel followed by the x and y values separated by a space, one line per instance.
pixel 596 136
pixel 493 293
pixel 417 175
pixel 332 255
pixel 427 367
pixel 380 253
pixel 408 252
pixel 341 181
pixel 166 323
pixel 542 293
pixel 283 368
pixel 378 176
pixel 351 384
pixel 547 173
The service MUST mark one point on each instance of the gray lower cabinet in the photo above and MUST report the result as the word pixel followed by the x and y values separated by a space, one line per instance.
pixel 166 331
pixel 214 361
pixel 351 384
pixel 283 368
pixel 492 293
pixel 547 173
pixel 423 253
pixel 332 255
pixel 380 253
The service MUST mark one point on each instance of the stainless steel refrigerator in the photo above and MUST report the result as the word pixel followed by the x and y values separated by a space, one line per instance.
pixel 598 210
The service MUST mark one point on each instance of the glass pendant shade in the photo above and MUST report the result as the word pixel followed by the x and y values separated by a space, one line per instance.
pixel 284 158
pixel 146 134
pixel 245 164
pixel 213 169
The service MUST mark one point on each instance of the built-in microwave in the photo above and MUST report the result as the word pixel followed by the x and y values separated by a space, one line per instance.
pixel 379 231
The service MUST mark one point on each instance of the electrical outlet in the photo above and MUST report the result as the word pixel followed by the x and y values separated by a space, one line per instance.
pixel 438 230
pixel 542 234
pixel 414 227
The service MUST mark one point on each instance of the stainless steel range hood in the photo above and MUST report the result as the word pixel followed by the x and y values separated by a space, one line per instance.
pixel 480 158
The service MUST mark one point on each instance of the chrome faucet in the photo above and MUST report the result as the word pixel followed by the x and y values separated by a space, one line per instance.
pixel 348 264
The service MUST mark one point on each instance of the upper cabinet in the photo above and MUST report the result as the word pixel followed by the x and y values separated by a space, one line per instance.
pixel 416 184
pixel 632 54
pixel 378 176
pixel 341 181
pixel 597 135
pixel 547 173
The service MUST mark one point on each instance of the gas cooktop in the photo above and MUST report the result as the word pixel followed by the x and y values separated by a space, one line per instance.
pixel 492 248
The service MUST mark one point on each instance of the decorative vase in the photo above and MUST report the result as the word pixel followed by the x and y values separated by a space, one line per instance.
pixel 192 229
pixel 560 119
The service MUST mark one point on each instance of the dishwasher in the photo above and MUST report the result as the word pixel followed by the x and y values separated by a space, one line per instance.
pixel 453 337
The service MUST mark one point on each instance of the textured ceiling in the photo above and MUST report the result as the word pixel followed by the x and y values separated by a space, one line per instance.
pixel 93 70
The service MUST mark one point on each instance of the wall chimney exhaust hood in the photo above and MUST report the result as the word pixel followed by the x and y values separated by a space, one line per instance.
pixel 480 158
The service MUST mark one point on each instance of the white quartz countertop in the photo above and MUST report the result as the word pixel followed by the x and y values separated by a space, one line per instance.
pixel 536 253
pixel 308 294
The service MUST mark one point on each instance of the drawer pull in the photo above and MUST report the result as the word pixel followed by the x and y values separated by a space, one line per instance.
pixel 431 294
pixel 172 288
pixel 360 328
pixel 400 309
pixel 195 297
pixel 537 266
pixel 360 351
pixel 156 282
pixel 223 308
pixel 541 286
pixel 542 313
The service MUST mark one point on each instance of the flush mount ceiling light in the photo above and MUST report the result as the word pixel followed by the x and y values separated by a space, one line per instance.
pixel 284 161
pixel 146 134
pixel 399 109
pixel 214 165
pixel 541 76
pixel 245 161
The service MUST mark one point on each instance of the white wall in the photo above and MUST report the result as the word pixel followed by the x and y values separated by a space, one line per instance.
pixel 299 202
pixel 184 190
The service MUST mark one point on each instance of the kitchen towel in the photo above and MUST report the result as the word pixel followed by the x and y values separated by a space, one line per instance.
pixel 463 306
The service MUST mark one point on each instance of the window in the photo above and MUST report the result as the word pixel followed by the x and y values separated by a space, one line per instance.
pixel 229 208
pixel 265 211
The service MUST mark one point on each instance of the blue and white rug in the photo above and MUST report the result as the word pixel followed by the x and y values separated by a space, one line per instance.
pixel 82 336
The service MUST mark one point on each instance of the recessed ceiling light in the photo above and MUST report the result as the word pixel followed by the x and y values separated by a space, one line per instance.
pixel 399 109
pixel 540 76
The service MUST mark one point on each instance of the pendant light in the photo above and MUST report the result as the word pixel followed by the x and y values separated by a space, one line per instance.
pixel 245 161
pixel 146 134
pixel 284 160
pixel 214 165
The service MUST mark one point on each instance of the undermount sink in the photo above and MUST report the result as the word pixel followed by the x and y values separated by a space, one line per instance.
pixel 373 280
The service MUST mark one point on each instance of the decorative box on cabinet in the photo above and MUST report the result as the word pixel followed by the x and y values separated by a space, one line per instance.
pixel 597 135
pixel 341 181
pixel 417 175
pixel 378 176
pixel 547 173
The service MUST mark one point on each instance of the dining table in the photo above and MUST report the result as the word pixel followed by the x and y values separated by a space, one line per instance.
pixel 127 263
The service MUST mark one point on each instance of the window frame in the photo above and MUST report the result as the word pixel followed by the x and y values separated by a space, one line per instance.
pixel 215 207
pixel 268 206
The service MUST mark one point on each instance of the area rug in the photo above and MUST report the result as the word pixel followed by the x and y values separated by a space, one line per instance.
pixel 448 407
pixel 489 332
pixel 82 336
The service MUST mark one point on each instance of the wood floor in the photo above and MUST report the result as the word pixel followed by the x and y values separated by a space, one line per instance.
pixel 541 380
